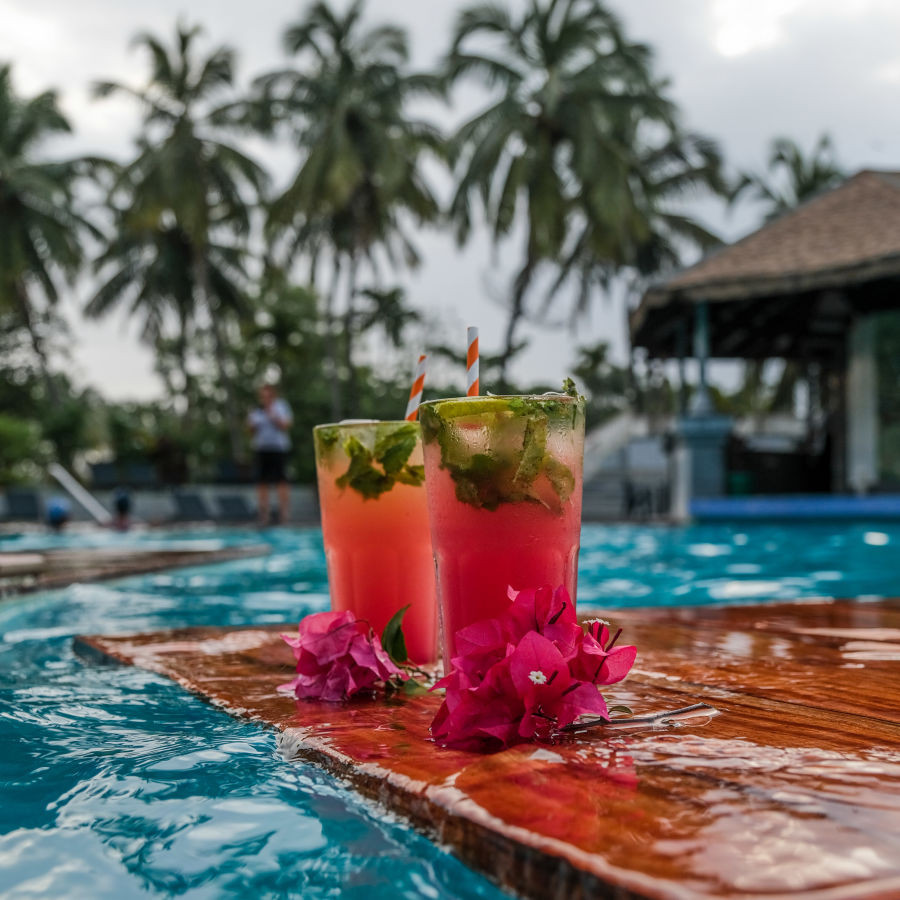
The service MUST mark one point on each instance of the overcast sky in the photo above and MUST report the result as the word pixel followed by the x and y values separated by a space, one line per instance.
pixel 742 71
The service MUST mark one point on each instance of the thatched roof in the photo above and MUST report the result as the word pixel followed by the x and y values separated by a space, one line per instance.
pixel 841 241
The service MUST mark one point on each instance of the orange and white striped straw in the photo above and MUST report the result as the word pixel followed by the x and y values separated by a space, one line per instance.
pixel 415 394
pixel 472 387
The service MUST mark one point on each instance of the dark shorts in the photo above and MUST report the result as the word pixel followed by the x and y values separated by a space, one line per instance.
pixel 270 466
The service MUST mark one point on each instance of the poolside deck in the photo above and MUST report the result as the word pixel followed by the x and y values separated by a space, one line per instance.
pixel 37 571
pixel 793 791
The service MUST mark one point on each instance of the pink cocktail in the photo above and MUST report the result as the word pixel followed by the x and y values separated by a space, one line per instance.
pixel 504 480
pixel 375 527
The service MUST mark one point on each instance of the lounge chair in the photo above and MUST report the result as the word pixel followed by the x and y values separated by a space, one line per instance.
pixel 23 505
pixel 191 507
pixel 235 508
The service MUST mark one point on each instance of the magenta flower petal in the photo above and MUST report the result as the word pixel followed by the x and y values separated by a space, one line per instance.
pixel 617 665
pixel 337 656
pixel 537 668
pixel 527 673
pixel 584 700
pixel 481 637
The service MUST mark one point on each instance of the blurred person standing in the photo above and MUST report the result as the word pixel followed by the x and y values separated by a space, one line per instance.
pixel 270 423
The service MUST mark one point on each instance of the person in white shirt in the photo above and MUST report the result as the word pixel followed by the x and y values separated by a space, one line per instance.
pixel 270 423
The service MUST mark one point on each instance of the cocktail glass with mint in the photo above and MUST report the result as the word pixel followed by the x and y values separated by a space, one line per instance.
pixel 375 527
pixel 504 479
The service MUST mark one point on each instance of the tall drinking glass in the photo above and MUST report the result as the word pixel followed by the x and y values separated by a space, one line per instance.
pixel 504 478
pixel 375 527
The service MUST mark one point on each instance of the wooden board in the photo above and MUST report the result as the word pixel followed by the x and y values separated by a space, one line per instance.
pixel 793 790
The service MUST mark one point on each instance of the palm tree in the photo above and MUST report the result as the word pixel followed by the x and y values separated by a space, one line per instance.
pixel 41 229
pixel 555 147
pixel 792 176
pixel 388 311
pixel 661 176
pixel 360 189
pixel 148 268
pixel 191 189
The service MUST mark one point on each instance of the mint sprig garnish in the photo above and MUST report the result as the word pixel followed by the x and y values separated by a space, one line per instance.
pixel 571 390
pixel 523 471
pixel 372 473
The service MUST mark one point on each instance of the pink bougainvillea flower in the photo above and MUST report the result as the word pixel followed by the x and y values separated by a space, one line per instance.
pixel 337 656
pixel 526 674
pixel 550 613
pixel 597 660
pixel 482 717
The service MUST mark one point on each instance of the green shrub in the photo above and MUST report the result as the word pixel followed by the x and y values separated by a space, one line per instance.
pixel 21 451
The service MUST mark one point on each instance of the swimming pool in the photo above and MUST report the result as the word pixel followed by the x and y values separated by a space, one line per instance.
pixel 118 783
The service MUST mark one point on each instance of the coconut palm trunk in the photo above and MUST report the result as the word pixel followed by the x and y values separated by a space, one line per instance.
pixel 351 388
pixel 37 343
pixel 187 380
pixel 331 341
pixel 220 353
pixel 516 314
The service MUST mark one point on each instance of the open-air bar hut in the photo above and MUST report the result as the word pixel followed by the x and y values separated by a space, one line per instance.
pixel 809 287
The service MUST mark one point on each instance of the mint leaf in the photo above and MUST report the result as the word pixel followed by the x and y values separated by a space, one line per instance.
pixel 392 637
pixel 570 389
pixel 481 481
pixel 561 477
pixel 534 445
pixel 372 473
pixel 326 438
pixel 394 448
pixel 411 475
pixel 361 475
pixel 511 472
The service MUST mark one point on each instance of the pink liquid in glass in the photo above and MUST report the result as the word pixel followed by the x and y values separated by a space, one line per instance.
pixel 378 548
pixel 523 534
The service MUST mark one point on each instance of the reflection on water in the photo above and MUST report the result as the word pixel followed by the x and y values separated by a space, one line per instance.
pixel 802 832
pixel 116 782
pixel 633 566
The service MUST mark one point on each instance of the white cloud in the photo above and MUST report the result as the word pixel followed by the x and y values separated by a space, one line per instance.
pixel 743 71
pixel 740 27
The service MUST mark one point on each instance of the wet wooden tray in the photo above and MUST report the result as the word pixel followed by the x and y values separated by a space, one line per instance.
pixel 792 791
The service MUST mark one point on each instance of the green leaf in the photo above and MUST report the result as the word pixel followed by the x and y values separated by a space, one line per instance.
pixel 561 478
pixel 411 475
pixel 326 438
pixel 373 473
pixel 570 389
pixel 510 474
pixel 413 688
pixel 625 710
pixel 361 475
pixel 394 448
pixel 392 637
pixel 534 447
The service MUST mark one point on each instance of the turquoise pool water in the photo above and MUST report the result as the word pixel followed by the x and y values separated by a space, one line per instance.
pixel 116 783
